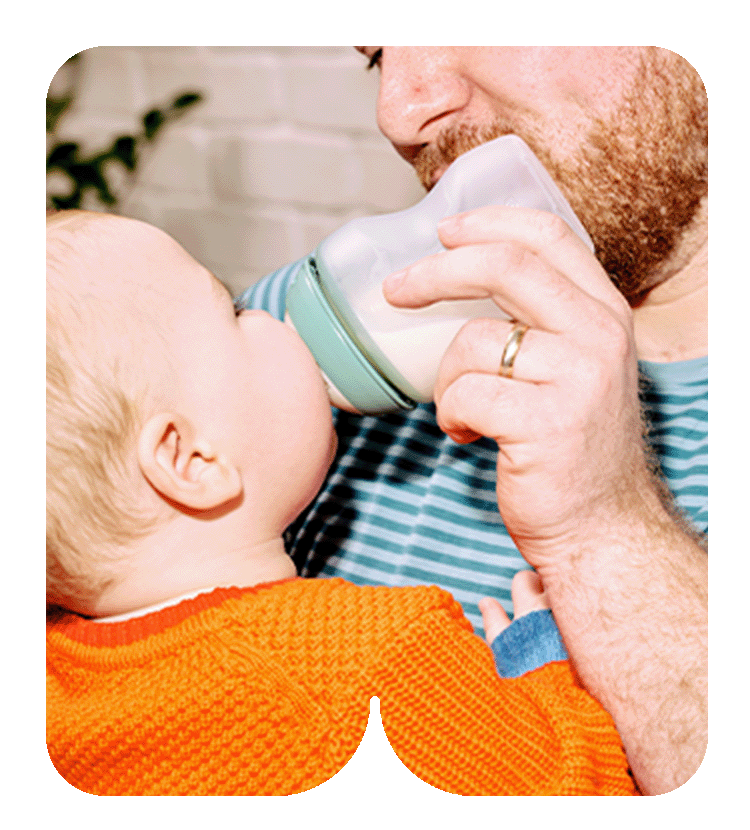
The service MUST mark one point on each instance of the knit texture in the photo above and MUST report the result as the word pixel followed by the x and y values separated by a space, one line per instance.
pixel 265 691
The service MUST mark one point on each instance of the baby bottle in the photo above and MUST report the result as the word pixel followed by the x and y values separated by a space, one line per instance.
pixel 374 357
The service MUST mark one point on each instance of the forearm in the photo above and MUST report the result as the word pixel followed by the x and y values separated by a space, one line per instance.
pixel 631 604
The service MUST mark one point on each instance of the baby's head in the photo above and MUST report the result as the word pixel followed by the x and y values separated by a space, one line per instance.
pixel 181 437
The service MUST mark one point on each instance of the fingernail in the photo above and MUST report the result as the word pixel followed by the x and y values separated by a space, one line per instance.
pixel 394 281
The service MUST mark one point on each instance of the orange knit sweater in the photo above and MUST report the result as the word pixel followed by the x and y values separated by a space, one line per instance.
pixel 265 691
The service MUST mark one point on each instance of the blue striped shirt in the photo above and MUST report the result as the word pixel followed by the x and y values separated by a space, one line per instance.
pixel 405 505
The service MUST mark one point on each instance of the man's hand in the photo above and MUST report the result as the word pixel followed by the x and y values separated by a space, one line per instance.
pixel 568 422
pixel 627 584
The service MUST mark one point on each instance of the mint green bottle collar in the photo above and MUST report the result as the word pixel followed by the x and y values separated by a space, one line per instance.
pixel 335 349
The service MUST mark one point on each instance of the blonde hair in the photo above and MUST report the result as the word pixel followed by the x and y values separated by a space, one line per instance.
pixel 94 411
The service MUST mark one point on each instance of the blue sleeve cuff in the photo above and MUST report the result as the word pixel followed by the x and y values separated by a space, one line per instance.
pixel 531 641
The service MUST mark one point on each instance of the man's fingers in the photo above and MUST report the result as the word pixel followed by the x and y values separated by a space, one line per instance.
pixel 520 283
pixel 480 345
pixel 547 235
pixel 530 263
pixel 494 618
pixel 514 278
pixel 478 404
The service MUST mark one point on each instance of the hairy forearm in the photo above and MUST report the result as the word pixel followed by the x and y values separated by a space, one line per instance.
pixel 632 609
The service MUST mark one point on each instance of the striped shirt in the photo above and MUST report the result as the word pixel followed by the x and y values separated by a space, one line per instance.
pixel 405 505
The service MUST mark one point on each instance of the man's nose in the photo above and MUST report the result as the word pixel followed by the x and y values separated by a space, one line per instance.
pixel 421 91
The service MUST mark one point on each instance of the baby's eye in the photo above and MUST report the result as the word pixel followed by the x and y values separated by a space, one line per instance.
pixel 239 306
pixel 375 58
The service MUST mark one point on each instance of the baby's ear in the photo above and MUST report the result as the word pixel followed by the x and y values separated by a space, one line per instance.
pixel 183 467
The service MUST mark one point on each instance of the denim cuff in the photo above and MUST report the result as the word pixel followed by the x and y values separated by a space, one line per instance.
pixel 531 641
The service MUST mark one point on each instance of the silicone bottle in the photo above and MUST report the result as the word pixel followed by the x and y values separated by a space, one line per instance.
pixel 374 357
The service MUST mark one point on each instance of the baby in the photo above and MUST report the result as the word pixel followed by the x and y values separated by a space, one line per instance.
pixel 184 655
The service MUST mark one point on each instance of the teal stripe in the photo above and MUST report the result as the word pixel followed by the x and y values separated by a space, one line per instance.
pixel 465 499
pixel 678 395
pixel 692 434
pixel 455 540
pixel 425 574
pixel 359 467
pixel 684 454
pixel 691 490
pixel 674 408
pixel 678 468
pixel 399 529
pixel 484 479
pixel 426 543
pixel 449 512
pixel 685 420
pixel 385 502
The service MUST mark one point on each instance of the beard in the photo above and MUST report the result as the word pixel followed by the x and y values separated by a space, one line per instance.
pixel 638 177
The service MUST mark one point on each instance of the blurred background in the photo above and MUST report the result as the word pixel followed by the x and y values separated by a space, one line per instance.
pixel 247 155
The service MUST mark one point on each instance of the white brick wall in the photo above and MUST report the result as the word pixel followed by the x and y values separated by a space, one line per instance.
pixel 283 149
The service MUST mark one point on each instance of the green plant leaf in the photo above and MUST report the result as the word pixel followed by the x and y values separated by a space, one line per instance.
pixel 68 202
pixel 87 174
pixel 124 149
pixel 55 110
pixel 152 122
pixel 62 156
pixel 188 99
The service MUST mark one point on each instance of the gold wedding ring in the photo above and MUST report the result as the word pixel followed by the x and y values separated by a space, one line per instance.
pixel 512 345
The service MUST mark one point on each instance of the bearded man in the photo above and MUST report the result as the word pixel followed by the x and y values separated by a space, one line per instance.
pixel 591 431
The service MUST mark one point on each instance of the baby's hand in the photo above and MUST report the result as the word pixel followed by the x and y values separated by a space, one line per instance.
pixel 527 594
pixel 532 639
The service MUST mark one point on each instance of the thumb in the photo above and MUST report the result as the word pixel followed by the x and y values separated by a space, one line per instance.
pixel 494 618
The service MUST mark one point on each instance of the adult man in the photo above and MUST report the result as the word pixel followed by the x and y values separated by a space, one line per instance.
pixel 623 131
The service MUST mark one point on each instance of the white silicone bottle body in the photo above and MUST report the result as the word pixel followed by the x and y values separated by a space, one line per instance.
pixel 407 344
